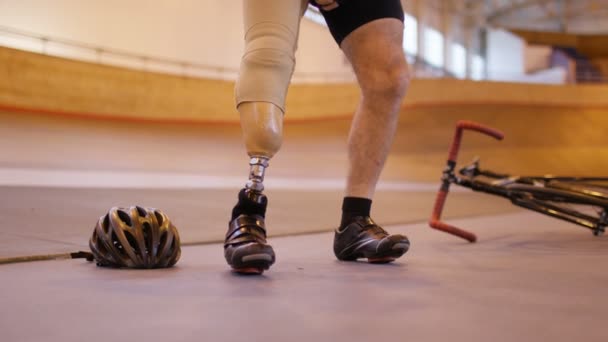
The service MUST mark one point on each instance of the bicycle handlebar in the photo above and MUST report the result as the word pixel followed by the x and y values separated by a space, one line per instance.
pixel 435 221
pixel 473 126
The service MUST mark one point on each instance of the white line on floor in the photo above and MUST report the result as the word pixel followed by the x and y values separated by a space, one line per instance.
pixel 176 180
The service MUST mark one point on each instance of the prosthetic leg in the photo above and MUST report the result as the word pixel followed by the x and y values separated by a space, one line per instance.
pixel 271 32
pixel 245 248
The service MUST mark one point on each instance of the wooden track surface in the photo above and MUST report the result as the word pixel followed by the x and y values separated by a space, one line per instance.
pixel 559 142
pixel 32 82
pixel 564 142
pixel 129 121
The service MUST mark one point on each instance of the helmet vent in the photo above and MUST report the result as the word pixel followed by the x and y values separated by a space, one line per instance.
pixel 106 223
pixel 141 211
pixel 124 217
pixel 163 241
pixel 132 241
pixel 117 245
pixel 147 232
pixel 159 218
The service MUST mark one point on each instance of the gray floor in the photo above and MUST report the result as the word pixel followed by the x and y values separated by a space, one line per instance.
pixel 530 278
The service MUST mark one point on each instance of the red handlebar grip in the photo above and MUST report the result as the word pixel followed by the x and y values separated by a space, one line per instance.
pixel 453 230
pixel 436 215
pixel 473 126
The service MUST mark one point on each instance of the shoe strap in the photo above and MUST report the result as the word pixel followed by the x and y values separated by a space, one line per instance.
pixel 370 226
pixel 246 228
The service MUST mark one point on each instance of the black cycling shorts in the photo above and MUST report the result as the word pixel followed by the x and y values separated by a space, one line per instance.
pixel 352 14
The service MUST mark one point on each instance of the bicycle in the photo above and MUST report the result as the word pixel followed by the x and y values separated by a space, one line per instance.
pixel 580 200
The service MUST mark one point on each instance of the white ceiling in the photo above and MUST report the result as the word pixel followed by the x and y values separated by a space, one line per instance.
pixel 571 16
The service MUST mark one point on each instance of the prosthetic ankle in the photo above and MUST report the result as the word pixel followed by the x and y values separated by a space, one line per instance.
pixel 258 165
pixel 251 199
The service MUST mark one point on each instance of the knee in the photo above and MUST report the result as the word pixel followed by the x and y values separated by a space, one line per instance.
pixel 399 80
pixel 270 45
pixel 389 81
pixel 267 64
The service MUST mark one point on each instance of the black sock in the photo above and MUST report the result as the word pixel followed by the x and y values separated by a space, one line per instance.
pixel 353 207
pixel 250 203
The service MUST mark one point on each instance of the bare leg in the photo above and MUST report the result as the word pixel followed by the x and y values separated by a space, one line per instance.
pixel 376 53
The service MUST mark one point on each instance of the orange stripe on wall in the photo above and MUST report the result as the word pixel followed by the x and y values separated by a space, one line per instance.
pixel 407 106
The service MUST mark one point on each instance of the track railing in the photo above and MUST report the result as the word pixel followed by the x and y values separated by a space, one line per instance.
pixel 54 46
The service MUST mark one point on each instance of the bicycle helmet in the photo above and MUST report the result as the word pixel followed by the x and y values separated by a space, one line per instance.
pixel 135 237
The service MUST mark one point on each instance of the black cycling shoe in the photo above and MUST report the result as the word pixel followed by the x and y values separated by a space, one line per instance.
pixel 245 247
pixel 363 238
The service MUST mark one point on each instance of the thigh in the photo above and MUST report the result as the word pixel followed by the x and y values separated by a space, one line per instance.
pixel 351 15
pixel 286 13
pixel 271 35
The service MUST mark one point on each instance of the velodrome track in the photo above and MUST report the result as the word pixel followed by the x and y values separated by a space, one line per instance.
pixel 528 278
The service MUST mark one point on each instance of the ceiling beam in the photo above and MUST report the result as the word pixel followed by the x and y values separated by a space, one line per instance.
pixel 572 14
pixel 514 6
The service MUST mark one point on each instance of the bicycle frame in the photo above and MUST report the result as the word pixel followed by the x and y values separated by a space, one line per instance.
pixel 534 193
